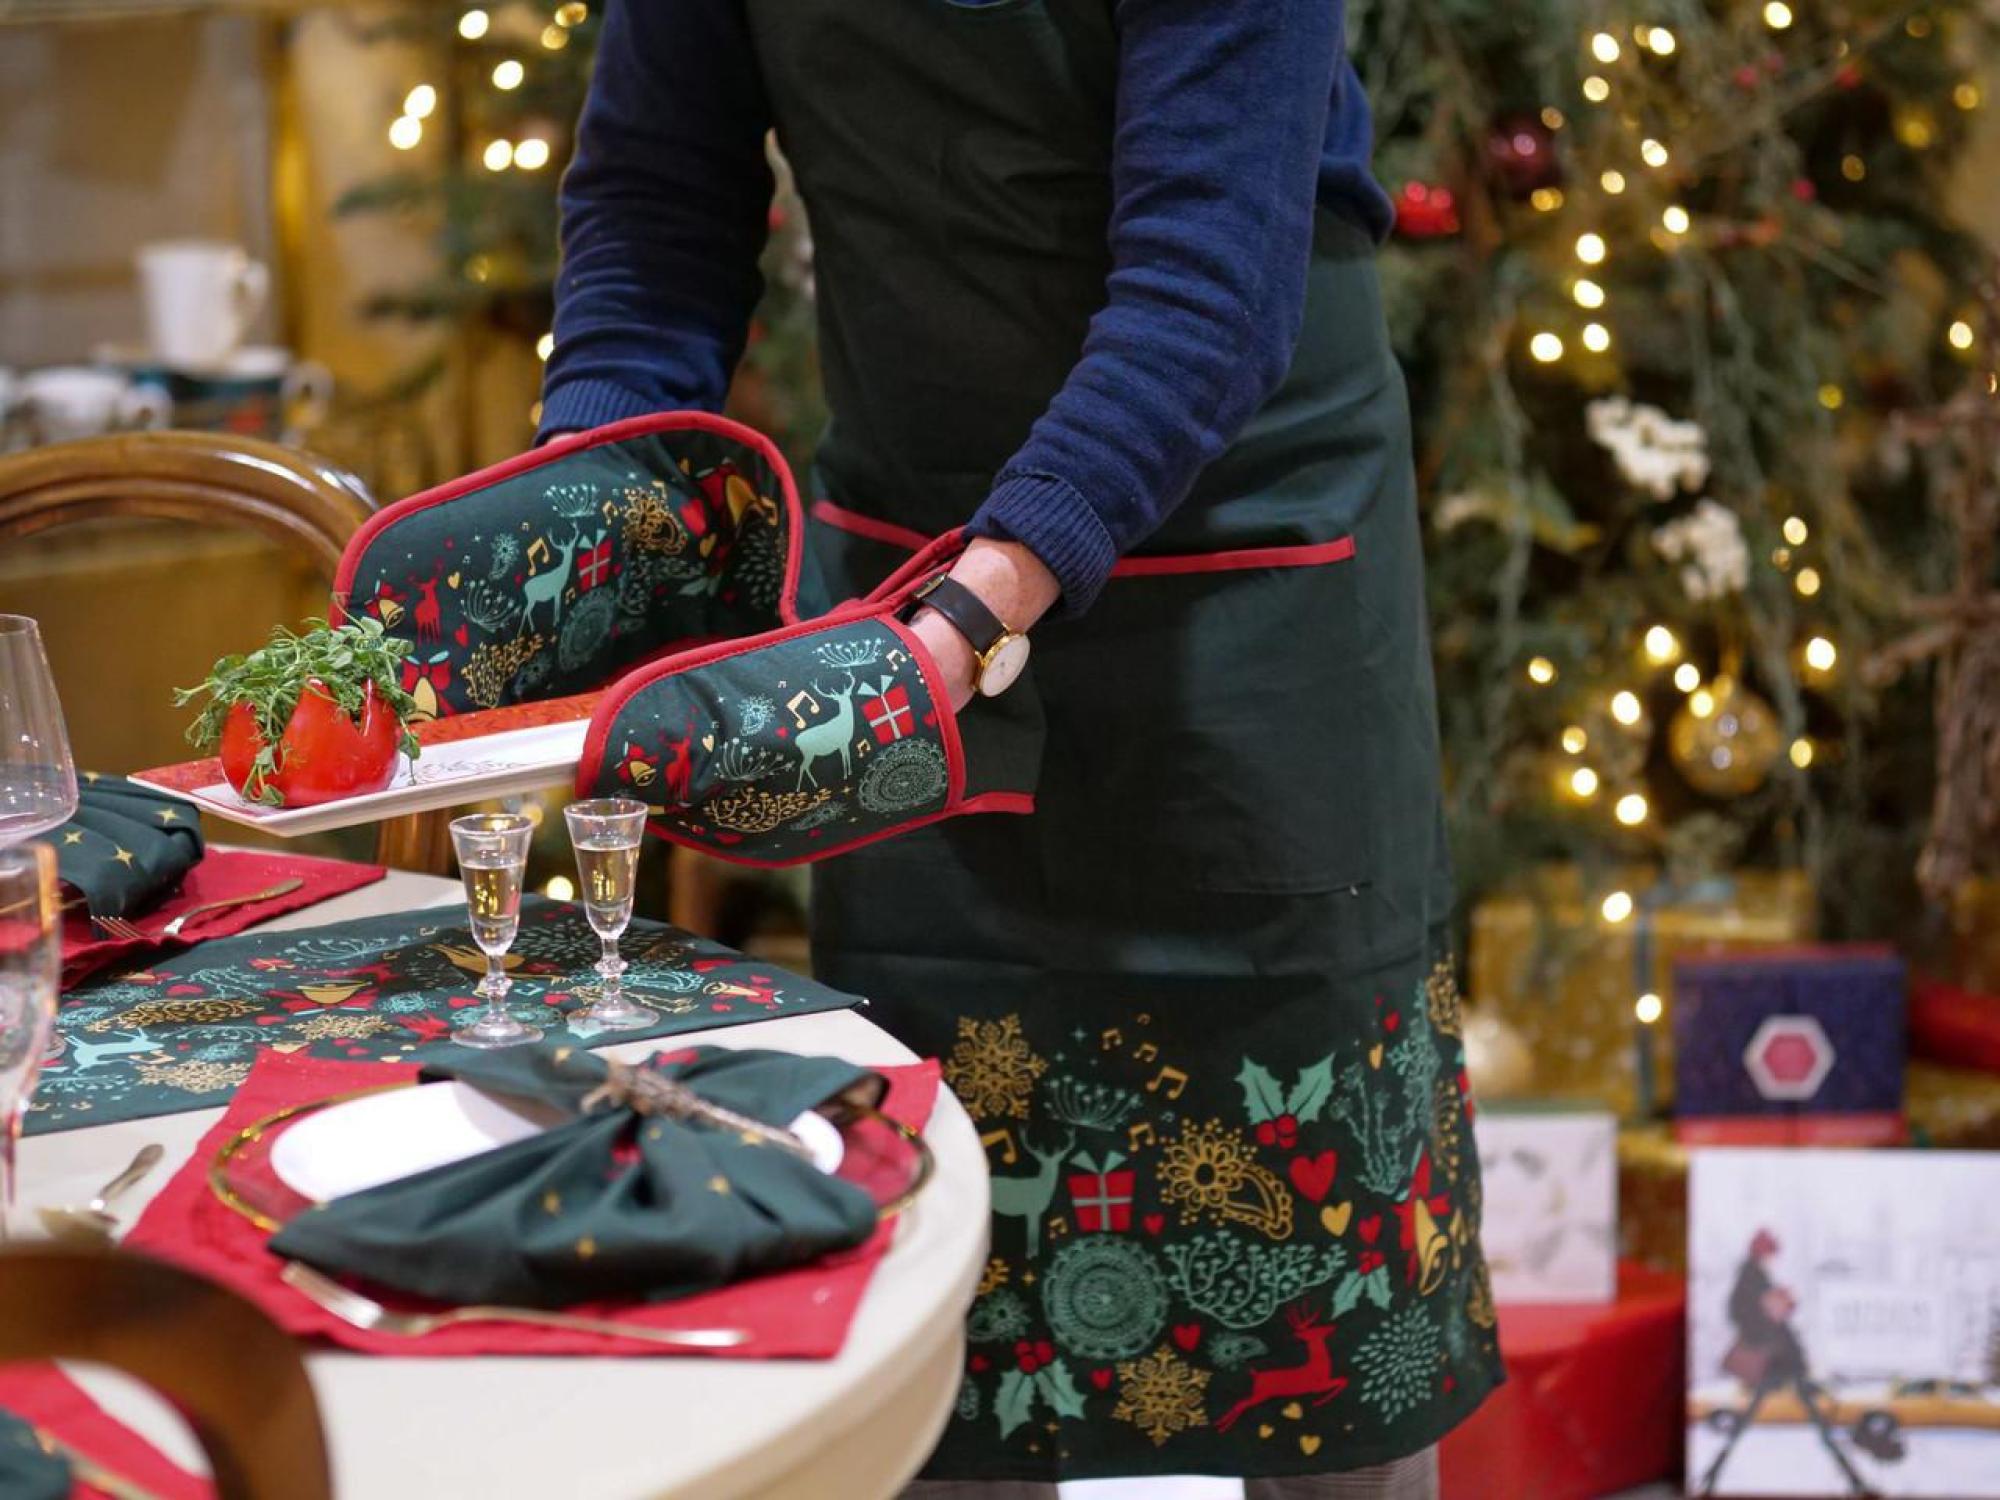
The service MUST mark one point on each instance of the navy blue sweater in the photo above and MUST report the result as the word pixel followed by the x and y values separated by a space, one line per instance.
pixel 1234 121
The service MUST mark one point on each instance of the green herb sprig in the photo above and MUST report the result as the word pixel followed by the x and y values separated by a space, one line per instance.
pixel 345 658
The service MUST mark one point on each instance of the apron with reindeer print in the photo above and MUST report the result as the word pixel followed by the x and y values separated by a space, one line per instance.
pixel 1199 1002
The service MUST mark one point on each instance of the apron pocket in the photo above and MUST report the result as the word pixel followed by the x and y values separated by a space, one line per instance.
pixel 809 741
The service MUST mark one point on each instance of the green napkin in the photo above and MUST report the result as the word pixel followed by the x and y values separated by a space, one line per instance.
pixel 27 1470
pixel 127 847
pixel 611 1205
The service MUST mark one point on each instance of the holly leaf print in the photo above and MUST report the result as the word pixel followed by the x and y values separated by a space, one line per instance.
pixel 1310 1093
pixel 1378 1287
pixel 1053 1381
pixel 1016 1400
pixel 1347 1294
pixel 1262 1098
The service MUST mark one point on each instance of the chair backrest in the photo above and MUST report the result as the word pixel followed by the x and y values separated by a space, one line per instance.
pixel 185 476
pixel 236 1377
pixel 292 497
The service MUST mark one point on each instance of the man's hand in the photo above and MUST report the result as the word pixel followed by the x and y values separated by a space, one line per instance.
pixel 1009 580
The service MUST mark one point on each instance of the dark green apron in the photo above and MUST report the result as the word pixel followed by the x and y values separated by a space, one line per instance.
pixel 1198 1002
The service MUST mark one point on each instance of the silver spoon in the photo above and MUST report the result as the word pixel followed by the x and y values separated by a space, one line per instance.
pixel 92 1224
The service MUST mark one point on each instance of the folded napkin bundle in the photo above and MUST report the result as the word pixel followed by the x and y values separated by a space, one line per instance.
pixel 616 1203
pixel 28 1471
pixel 127 847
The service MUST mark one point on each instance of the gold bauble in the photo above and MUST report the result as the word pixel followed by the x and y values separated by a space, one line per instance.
pixel 1498 1059
pixel 1729 751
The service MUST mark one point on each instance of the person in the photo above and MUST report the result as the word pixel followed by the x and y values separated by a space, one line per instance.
pixel 1768 1357
pixel 1095 283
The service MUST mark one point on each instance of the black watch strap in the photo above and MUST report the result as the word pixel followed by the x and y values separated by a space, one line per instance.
pixel 967 613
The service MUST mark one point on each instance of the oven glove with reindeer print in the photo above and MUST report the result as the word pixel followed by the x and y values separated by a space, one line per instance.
pixel 811 740
pixel 554 572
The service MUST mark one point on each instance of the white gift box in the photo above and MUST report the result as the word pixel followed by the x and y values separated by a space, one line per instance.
pixel 1844 1323
pixel 1550 1219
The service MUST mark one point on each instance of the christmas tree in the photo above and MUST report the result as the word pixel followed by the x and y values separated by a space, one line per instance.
pixel 1673 281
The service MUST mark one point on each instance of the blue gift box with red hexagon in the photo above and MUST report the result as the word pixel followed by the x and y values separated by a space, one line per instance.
pixel 1797 1046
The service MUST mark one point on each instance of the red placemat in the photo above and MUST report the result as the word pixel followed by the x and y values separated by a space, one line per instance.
pixel 802 1313
pixel 1594 1403
pixel 221 874
pixel 42 1396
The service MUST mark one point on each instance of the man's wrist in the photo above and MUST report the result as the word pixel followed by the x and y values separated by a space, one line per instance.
pixel 1009 580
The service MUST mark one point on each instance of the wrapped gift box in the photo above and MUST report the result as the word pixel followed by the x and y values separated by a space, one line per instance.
pixel 1547 959
pixel 1550 1180
pixel 1795 1047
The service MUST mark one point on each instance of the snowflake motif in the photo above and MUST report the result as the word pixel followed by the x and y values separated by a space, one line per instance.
pixel 997 1317
pixel 1399 1362
pixel 1161 1395
pixel 217 1052
pixel 197 1077
pixel 992 1068
pixel 909 775
pixel 340 1026
pixel 505 554
pixel 755 712
pixel 586 629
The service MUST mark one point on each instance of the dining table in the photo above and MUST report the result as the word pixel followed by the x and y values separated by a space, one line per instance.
pixel 853 1427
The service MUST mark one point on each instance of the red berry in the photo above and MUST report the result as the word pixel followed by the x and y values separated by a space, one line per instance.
pixel 1267 1134
pixel 1023 1347
pixel 1044 1352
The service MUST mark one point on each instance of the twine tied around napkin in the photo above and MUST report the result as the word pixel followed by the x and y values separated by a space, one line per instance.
pixel 646 1091
pixel 624 1200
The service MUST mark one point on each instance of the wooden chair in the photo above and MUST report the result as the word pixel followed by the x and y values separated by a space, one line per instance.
pixel 236 1377
pixel 205 477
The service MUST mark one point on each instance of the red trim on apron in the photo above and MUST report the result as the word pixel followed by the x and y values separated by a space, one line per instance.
pixel 1297 555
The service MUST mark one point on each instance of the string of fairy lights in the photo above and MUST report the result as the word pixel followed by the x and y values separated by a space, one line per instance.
pixel 1586 774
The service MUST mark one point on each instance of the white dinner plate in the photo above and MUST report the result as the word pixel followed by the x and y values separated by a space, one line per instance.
pixel 398 1133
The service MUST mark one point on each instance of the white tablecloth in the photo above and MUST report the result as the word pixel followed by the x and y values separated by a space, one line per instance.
pixel 850 1428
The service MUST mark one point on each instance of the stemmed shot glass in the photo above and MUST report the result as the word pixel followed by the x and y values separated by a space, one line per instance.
pixel 492 860
pixel 30 966
pixel 606 833
pixel 37 773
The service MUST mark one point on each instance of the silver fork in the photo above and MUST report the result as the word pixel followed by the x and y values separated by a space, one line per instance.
pixel 364 1312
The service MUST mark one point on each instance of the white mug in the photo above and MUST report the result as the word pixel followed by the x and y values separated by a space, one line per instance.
pixel 201 298
pixel 76 401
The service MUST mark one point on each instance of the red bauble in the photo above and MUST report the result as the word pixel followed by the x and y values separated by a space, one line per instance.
pixel 323 755
pixel 1426 213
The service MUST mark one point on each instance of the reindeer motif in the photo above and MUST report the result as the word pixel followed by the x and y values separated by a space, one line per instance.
pixel 428 617
pixel 834 737
pixel 679 767
pixel 547 587
pixel 1313 1378
pixel 90 1054
pixel 1029 1197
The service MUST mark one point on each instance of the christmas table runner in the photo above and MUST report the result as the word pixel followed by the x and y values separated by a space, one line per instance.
pixel 802 1312
pixel 182 1034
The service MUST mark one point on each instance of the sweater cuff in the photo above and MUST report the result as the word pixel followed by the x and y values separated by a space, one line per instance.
pixel 578 405
pixel 1050 517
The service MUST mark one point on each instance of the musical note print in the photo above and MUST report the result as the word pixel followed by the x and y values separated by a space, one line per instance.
pixel 1173 1078
pixel 1011 1154
pixel 802 695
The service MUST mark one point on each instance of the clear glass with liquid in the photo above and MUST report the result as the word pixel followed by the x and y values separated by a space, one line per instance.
pixel 492 862
pixel 30 966
pixel 606 833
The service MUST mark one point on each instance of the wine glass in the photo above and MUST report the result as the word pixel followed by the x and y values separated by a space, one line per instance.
pixel 606 832
pixel 30 967
pixel 492 859
pixel 37 775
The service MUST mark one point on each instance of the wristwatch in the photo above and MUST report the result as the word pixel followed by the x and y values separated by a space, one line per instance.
pixel 999 653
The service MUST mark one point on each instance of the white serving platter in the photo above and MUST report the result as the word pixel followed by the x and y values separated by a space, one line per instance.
pixel 509 759
pixel 398 1133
